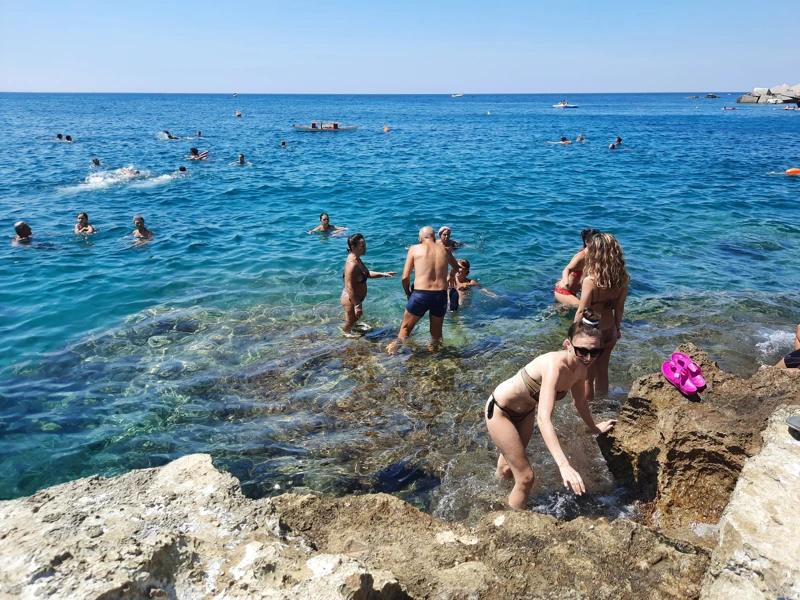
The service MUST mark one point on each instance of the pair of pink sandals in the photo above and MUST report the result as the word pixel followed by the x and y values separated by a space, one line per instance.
pixel 682 372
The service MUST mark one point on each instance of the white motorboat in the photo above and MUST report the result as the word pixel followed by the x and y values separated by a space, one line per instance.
pixel 565 104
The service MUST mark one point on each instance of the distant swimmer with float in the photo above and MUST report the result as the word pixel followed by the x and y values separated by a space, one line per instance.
pixel 325 226
pixel 195 154
pixel 567 288
pixel 511 410
pixel 355 278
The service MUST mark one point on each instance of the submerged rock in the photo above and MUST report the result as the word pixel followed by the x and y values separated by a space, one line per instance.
pixel 186 531
pixel 758 556
pixel 684 455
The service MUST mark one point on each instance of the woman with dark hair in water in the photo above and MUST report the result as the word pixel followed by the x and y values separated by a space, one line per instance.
pixel 83 226
pixel 511 411
pixel 604 289
pixel 570 282
pixel 325 225
pixel 355 278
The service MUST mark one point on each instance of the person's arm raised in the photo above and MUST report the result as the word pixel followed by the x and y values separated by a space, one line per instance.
pixel 547 400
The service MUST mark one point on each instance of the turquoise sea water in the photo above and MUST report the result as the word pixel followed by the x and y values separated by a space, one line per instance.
pixel 221 335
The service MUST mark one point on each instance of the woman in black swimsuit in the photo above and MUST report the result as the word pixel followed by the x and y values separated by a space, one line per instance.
pixel 355 278
pixel 792 360
pixel 547 378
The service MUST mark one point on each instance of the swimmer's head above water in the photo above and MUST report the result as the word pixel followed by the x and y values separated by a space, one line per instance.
pixel 68 138
pixel 194 152
pixel 241 159
pixel 182 169
pixel 283 143
pixel 611 146
pixel 96 162
pixel 59 136
pixel 23 230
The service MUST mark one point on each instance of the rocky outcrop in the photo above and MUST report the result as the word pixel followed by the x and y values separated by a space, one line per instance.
pixel 758 556
pixel 684 455
pixel 780 94
pixel 186 531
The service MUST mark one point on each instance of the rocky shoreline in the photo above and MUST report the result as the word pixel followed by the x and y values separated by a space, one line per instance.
pixel 719 515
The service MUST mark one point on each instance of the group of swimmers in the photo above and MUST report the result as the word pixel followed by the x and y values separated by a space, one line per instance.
pixel 82 227
pixel 566 142
pixel 595 282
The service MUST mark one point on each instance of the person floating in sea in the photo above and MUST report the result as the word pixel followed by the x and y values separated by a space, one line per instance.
pixel 564 141
pixel 238 113
pixel 24 233
pixel 195 154
pixel 283 143
pixel 604 289
pixel 463 282
pixel 510 412
pixel 83 227
pixel 611 147
pixel 792 360
pixel 385 129
pixel 241 161
pixel 129 173
pixel 182 169
pixel 325 225
pixel 68 139
pixel 59 137
pixel 580 138
pixel 141 231
pixel 96 162
pixel 199 133
pixel 618 141
pixel 444 238
pixel 428 260
pixel 567 288
pixel 355 278
pixel 170 136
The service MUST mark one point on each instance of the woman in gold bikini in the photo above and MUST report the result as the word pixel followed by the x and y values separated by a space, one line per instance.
pixel 604 289
pixel 547 378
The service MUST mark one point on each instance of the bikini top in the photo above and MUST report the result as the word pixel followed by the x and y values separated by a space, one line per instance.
pixel 534 387
pixel 364 272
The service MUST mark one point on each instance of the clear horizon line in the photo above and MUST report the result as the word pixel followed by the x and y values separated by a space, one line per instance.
pixel 375 93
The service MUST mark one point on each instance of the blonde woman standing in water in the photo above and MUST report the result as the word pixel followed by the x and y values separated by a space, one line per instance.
pixel 604 289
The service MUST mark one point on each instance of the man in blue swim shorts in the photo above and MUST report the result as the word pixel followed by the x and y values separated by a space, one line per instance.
pixel 429 262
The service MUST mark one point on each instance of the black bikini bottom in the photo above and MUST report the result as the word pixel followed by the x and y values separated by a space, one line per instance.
pixel 515 417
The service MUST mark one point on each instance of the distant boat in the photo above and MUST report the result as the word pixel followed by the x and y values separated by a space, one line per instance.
pixel 325 126
pixel 692 96
pixel 711 96
pixel 565 104
pixel 456 95
pixel 235 94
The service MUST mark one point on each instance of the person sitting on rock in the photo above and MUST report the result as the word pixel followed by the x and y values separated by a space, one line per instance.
pixel 792 360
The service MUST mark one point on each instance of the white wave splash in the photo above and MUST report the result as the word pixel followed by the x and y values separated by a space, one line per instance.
pixel 774 344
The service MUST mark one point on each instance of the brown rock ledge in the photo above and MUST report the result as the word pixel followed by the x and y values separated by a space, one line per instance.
pixel 186 531
pixel 684 455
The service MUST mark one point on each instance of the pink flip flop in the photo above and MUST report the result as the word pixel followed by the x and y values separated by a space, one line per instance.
pixel 691 368
pixel 678 377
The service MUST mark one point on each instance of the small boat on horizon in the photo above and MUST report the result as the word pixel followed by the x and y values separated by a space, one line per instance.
pixel 565 104
pixel 456 95
pixel 235 94
pixel 325 126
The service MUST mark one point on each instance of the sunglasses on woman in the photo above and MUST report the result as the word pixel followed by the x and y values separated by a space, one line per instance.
pixel 593 352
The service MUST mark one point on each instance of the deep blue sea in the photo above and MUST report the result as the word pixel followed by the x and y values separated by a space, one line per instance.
pixel 221 335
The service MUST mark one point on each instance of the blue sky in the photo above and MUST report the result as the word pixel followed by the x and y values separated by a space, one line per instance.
pixel 310 46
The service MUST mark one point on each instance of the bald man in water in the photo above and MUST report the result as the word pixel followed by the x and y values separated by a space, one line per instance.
pixel 429 262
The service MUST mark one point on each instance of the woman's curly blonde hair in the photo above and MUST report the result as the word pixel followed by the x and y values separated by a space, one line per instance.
pixel 605 262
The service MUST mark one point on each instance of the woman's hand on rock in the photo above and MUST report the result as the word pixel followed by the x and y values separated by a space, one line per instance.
pixel 572 480
pixel 606 425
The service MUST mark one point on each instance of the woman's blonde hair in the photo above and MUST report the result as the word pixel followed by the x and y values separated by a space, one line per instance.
pixel 605 262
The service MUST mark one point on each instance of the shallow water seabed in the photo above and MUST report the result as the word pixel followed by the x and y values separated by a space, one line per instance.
pixel 284 403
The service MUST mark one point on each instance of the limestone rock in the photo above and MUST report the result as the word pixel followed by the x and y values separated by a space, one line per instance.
pixel 758 556
pixel 684 455
pixel 185 531
pixel 778 94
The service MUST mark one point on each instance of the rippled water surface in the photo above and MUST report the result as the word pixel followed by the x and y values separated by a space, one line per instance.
pixel 221 335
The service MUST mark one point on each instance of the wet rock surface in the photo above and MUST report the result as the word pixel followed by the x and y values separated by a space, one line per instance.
pixel 684 455
pixel 758 555
pixel 186 531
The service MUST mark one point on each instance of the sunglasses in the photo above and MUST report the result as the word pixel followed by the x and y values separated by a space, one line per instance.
pixel 593 352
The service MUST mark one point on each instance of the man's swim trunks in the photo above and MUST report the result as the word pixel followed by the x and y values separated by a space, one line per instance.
pixel 422 301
